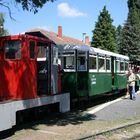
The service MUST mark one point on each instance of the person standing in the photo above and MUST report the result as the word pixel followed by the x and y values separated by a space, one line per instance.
pixel 131 84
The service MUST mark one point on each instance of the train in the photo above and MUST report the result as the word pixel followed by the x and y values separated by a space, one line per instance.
pixel 35 72
pixel 104 71
pixel 29 77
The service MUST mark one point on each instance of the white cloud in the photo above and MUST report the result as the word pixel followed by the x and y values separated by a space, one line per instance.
pixel 43 27
pixel 65 10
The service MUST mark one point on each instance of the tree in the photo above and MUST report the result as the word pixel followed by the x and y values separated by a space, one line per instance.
pixel 131 31
pixel 119 48
pixel 28 5
pixel 130 41
pixel 104 34
pixel 32 5
pixel 2 30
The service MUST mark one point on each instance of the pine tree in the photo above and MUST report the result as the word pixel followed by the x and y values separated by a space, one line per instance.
pixel 131 31
pixel 1 24
pixel 130 41
pixel 119 48
pixel 2 30
pixel 104 34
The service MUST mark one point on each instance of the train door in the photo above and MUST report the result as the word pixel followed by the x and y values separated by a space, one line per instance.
pixel 120 73
pixel 55 71
pixel 112 70
pixel 69 76
pixel 82 73
pixel 43 69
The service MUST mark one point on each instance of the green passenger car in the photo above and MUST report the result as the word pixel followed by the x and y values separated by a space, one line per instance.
pixel 90 71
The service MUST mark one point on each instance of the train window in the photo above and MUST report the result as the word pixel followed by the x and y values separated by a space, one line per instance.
pixel 42 49
pixel 81 61
pixel 126 66
pixel 41 52
pixel 108 66
pixel 32 49
pixel 101 64
pixel 122 66
pixel 92 63
pixel 13 49
pixel 69 62
pixel 117 65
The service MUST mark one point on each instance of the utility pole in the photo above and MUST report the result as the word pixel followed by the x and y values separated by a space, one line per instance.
pixel 84 37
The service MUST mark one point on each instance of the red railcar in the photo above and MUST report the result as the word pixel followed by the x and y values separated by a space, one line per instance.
pixel 29 76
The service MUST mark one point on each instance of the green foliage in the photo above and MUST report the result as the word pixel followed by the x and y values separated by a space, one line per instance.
pixel 119 48
pixel 104 34
pixel 131 31
pixel 130 41
pixel 27 5
pixel 2 30
pixel 33 5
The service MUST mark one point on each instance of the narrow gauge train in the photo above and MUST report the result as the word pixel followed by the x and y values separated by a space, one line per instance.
pixel 29 77
pixel 103 71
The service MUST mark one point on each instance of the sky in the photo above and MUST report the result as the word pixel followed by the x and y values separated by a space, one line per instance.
pixel 75 16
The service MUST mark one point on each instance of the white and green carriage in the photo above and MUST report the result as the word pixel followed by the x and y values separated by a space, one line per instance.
pixel 103 71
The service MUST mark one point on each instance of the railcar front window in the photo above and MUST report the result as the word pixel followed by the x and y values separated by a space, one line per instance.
pixel 42 50
pixel 81 63
pixel 101 63
pixel 121 66
pixel 12 49
pixel 117 66
pixel 92 63
pixel 126 66
pixel 69 62
pixel 42 57
pixel 81 60
pixel 108 64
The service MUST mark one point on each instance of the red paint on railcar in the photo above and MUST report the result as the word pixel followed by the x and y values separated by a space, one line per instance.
pixel 18 77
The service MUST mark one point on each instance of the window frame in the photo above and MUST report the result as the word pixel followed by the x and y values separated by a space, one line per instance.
pixel 115 66
pixel 122 71
pixel 83 55
pixel 125 66
pixel 93 56
pixel 108 58
pixel 103 58
pixel 46 50
pixel 68 54
pixel 15 55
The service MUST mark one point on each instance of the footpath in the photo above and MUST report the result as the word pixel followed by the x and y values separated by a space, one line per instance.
pixel 117 109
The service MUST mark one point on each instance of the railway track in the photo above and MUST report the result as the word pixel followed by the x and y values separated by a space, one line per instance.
pixel 111 131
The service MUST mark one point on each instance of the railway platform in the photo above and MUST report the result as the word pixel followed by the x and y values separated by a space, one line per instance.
pixel 117 109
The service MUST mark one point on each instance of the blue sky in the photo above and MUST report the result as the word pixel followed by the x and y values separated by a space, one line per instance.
pixel 75 16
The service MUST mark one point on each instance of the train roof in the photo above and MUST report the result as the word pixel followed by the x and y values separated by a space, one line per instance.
pixel 92 50
pixel 26 35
